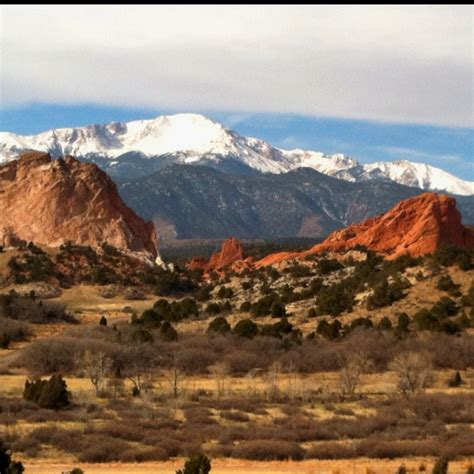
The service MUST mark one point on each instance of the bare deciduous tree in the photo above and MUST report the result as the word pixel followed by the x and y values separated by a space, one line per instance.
pixel 413 370
pixel 96 366
pixel 273 380
pixel 219 371
pixel 138 367
pixel 354 365
pixel 174 375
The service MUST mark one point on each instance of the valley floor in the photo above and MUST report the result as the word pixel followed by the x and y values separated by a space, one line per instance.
pixel 226 466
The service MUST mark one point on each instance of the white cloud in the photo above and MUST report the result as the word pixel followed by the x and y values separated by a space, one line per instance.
pixel 394 63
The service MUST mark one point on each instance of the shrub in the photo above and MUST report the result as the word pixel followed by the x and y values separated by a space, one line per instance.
pixel 168 332
pixel 5 340
pixel 149 318
pixel 196 464
pixel 326 266
pixel 268 450
pixel 172 283
pixel 246 328
pixel 225 293
pixel 445 283
pixel 278 310
pixel 385 294
pixel 385 324
pixel 329 330
pixel 99 449
pixel 441 466
pixel 103 321
pixel 141 336
pixel 334 300
pixel 52 393
pixel 435 319
pixel 219 325
pixel 402 470
pixel 245 307
pixel 7 464
pixel 403 323
pixel 362 322
pixel 456 380
pixel 263 306
pixel 213 308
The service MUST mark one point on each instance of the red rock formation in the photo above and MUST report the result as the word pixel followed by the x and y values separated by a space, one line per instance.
pixel 231 255
pixel 51 201
pixel 416 226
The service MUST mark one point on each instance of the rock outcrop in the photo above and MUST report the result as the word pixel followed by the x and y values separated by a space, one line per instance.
pixel 230 257
pixel 416 227
pixel 52 201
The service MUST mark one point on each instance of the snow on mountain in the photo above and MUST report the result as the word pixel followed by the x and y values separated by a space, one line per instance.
pixel 421 175
pixel 195 139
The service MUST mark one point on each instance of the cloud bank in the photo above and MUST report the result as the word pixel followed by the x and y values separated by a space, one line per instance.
pixel 408 64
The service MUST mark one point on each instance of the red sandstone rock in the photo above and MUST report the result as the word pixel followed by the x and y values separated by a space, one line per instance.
pixel 230 254
pixel 51 201
pixel 416 226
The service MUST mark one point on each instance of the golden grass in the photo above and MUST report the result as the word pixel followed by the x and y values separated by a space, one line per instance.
pixel 373 384
pixel 232 466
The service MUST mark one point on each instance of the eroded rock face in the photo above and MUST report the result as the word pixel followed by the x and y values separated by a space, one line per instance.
pixel 229 257
pixel 416 226
pixel 52 201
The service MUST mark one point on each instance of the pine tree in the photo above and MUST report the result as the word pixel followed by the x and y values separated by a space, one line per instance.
pixel 196 464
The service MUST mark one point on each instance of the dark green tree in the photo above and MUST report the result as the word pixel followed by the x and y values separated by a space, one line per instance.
pixel 402 323
pixel 196 464
pixel 246 328
pixel 219 325
pixel 278 309
pixel 456 381
pixel 168 332
pixel 441 466
pixel 52 393
pixel 7 464
pixel 385 324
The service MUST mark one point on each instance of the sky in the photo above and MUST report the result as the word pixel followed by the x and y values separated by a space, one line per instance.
pixel 375 82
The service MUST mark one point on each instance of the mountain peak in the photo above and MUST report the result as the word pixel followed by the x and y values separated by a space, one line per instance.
pixel 141 147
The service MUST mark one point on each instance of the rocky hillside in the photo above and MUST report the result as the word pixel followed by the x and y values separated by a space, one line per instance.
pixel 53 201
pixel 414 227
pixel 187 201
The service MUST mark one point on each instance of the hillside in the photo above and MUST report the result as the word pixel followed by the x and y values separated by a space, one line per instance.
pixel 199 202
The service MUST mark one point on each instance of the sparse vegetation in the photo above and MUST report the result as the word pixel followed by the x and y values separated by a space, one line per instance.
pixel 284 364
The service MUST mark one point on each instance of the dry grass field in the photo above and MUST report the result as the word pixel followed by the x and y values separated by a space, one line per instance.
pixel 226 466
pixel 283 393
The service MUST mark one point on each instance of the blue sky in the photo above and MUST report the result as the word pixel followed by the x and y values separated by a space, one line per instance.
pixel 449 148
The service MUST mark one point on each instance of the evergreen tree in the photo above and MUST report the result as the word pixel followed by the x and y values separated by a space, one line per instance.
pixel 441 466
pixel 7 464
pixel 52 393
pixel 219 325
pixel 196 464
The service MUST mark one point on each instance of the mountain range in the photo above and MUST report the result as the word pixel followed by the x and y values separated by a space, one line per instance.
pixel 140 148
pixel 186 201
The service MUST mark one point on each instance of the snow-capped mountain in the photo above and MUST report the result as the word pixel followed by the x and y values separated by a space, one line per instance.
pixel 144 146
